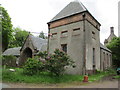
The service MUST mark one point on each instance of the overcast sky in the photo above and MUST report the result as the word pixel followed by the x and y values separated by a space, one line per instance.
pixel 33 15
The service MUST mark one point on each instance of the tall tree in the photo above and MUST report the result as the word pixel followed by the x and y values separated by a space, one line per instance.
pixel 20 35
pixel 42 35
pixel 6 28
pixel 114 46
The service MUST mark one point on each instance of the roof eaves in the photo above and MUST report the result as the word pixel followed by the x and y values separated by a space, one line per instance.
pixel 24 42
pixel 66 17
pixel 106 49
pixel 93 18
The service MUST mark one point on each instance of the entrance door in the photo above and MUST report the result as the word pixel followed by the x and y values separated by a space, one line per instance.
pixel 27 53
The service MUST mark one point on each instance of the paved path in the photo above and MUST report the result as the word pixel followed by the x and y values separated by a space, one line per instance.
pixel 3 85
pixel 105 84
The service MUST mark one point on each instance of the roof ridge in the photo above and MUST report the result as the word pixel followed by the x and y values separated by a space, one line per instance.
pixel 72 8
pixel 78 1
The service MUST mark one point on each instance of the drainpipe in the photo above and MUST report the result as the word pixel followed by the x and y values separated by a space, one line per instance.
pixel 84 46
pixel 48 38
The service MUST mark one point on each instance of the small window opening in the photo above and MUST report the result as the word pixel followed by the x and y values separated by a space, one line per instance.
pixel 76 29
pixel 64 47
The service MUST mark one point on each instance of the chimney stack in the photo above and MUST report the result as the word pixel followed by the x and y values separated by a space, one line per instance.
pixel 112 29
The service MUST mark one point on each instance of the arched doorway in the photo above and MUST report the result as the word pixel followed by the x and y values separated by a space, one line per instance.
pixel 27 53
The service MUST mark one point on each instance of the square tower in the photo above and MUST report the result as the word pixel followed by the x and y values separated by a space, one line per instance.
pixel 75 31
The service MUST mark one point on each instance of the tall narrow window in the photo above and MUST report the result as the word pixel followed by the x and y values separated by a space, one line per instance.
pixel 104 65
pixel 64 47
pixel 93 57
pixel 93 34
pixel 107 60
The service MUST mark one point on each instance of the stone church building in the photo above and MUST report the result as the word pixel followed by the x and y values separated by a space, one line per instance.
pixel 75 31
pixel 111 36
pixel 31 47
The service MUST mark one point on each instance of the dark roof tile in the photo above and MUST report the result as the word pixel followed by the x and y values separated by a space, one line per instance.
pixel 12 51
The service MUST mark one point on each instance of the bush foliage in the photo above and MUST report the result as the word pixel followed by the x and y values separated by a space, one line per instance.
pixel 56 62
pixel 9 61
pixel 33 66
pixel 53 63
pixel 114 46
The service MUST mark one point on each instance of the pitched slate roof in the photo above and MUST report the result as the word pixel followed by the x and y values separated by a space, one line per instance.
pixel 104 47
pixel 71 9
pixel 38 43
pixel 12 51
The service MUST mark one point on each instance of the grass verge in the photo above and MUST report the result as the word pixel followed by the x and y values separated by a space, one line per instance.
pixel 46 78
pixel 117 77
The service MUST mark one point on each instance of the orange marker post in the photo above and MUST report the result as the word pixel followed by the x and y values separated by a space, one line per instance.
pixel 85 78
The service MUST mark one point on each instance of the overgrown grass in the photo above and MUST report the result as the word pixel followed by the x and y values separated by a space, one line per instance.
pixel 18 76
pixel 117 77
pixel 46 78
pixel 101 74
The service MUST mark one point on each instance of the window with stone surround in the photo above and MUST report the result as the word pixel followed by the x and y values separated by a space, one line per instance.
pixel 76 31
pixel 54 35
pixel 64 33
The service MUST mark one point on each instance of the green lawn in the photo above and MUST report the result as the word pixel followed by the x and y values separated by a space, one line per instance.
pixel 44 77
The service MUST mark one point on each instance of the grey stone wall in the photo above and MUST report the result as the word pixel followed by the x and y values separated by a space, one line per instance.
pixel 23 53
pixel 92 41
pixel 80 43
pixel 106 59
pixel 74 41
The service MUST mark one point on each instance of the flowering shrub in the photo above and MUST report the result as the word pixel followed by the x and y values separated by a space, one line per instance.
pixel 43 54
pixel 53 63
pixel 56 62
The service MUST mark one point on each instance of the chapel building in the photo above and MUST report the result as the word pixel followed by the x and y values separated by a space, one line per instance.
pixel 111 36
pixel 75 31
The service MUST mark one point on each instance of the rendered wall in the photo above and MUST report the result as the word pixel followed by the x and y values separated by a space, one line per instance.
pixel 74 41
pixel 92 42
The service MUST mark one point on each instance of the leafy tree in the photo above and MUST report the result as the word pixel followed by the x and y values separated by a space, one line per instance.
pixel 114 46
pixel 6 28
pixel 42 35
pixel 19 37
